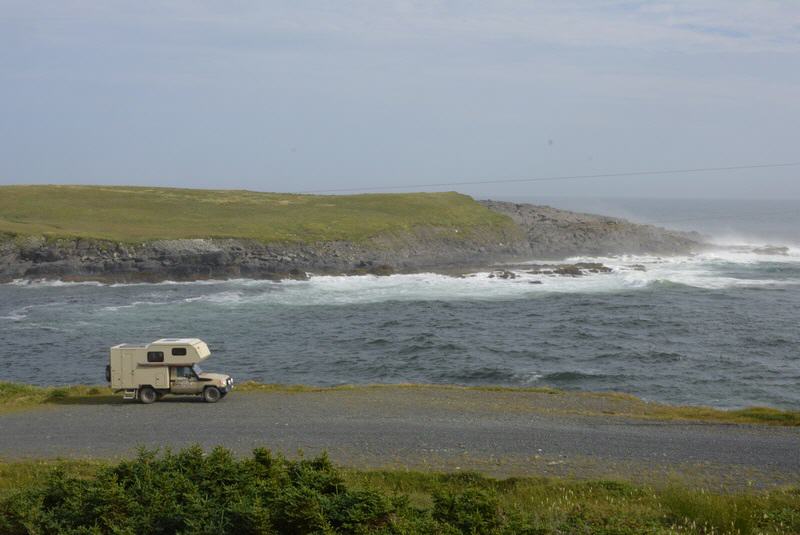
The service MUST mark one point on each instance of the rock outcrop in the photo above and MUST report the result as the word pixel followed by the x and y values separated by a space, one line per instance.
pixel 196 259
pixel 779 250
pixel 556 234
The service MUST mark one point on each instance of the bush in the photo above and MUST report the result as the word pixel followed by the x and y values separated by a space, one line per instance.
pixel 472 511
pixel 193 491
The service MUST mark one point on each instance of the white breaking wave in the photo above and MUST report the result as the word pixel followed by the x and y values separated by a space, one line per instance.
pixel 48 283
pixel 135 304
pixel 14 317
pixel 22 313
pixel 628 273
pixel 730 268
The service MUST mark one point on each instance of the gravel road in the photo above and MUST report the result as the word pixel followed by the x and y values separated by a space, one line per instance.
pixel 499 433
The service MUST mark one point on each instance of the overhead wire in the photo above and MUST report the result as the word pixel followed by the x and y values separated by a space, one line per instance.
pixel 557 178
pixel 726 216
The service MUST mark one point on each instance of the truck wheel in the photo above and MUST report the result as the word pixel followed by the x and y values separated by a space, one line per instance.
pixel 147 395
pixel 211 394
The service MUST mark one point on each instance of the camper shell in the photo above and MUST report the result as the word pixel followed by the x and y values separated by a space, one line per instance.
pixel 165 366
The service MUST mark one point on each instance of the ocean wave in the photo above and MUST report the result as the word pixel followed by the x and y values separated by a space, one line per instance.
pixel 14 317
pixel 713 271
pixel 54 283
pixel 19 314
pixel 575 376
pixel 526 378
pixel 481 375
pixel 134 304
pixel 342 290
pixel 740 254
pixel 207 282
pixel 226 297
pixel 492 375
pixel 502 375
pixel 50 283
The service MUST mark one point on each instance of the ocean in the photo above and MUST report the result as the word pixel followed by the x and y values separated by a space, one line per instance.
pixel 718 329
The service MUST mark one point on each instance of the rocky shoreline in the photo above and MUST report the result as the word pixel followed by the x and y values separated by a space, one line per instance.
pixel 541 232
pixel 554 234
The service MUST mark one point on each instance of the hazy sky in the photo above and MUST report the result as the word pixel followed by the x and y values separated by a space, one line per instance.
pixel 305 95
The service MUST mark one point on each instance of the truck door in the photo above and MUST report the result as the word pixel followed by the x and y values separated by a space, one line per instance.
pixel 183 380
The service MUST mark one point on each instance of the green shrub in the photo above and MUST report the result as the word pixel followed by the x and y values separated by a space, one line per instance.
pixel 193 491
pixel 472 511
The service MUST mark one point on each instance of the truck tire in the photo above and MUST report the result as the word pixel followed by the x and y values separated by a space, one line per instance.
pixel 147 395
pixel 211 394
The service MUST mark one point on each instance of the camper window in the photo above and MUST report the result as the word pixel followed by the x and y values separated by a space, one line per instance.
pixel 155 356
pixel 179 351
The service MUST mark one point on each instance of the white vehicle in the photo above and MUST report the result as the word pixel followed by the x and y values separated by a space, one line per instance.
pixel 166 366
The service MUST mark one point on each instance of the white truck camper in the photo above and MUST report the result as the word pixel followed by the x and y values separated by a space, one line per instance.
pixel 166 366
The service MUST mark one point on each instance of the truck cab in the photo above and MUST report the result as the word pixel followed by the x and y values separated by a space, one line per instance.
pixel 165 366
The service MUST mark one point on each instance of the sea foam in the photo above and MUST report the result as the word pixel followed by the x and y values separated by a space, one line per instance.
pixel 715 270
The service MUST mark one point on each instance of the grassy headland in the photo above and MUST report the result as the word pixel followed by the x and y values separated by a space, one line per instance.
pixel 602 404
pixel 137 214
pixel 214 492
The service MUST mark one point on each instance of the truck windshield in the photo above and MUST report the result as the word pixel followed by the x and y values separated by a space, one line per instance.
pixel 196 369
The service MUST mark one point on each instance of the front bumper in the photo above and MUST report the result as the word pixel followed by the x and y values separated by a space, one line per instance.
pixel 227 387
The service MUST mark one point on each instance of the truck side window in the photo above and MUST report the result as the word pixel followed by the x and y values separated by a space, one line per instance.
pixel 183 371
pixel 179 351
pixel 155 356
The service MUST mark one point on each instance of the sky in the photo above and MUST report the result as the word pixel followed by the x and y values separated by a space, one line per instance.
pixel 307 95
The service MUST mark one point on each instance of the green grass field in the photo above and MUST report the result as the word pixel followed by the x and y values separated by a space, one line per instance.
pixel 193 491
pixel 135 214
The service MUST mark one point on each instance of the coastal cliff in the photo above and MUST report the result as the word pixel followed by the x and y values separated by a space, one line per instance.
pixel 117 234
pixel 554 234
pixel 198 259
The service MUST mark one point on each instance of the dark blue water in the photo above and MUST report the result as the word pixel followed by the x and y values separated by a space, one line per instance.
pixel 716 329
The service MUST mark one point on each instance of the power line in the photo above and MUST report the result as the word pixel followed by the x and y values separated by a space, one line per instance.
pixel 745 215
pixel 557 178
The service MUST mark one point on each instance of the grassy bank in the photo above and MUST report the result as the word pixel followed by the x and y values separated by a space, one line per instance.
pixel 21 396
pixel 601 404
pixel 136 214
pixel 212 492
